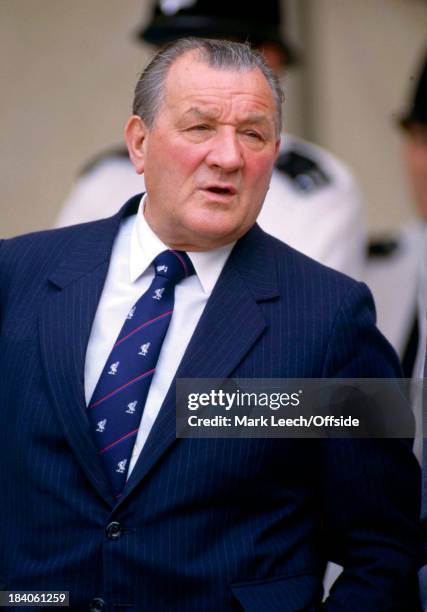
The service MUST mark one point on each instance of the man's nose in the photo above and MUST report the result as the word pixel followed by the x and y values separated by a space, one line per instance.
pixel 225 152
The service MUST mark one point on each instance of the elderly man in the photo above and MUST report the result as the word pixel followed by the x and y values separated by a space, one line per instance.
pixel 97 321
pixel 313 203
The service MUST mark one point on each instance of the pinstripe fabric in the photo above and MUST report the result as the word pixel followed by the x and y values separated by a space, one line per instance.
pixel 205 523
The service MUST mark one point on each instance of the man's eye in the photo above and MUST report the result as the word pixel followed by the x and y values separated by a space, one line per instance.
pixel 199 128
pixel 254 135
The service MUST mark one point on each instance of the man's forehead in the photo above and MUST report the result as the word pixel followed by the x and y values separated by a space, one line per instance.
pixel 195 87
pixel 190 72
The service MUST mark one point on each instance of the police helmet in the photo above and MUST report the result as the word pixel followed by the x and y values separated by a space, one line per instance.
pixel 239 20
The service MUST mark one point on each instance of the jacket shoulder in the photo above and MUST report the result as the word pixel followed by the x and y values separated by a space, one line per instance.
pixel 292 261
pixel 34 247
pixel 33 256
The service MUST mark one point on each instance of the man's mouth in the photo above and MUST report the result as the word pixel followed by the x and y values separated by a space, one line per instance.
pixel 221 189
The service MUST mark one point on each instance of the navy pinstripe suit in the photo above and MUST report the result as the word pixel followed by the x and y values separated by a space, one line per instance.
pixel 203 524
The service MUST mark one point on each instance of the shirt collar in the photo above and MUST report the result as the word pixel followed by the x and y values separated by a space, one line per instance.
pixel 145 246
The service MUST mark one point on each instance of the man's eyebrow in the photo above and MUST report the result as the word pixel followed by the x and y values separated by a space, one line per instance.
pixel 204 113
pixel 211 113
pixel 255 118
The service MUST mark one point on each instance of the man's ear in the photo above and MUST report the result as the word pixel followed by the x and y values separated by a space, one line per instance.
pixel 135 135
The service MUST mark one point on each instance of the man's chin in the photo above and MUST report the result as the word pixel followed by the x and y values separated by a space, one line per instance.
pixel 204 236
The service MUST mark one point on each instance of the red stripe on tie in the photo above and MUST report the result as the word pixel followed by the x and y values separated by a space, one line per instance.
pixel 131 433
pixel 134 380
pixel 165 314
pixel 181 259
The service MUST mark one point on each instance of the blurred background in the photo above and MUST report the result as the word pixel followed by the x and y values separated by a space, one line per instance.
pixel 68 69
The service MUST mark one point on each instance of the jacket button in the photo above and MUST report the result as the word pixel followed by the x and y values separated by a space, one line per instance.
pixel 96 604
pixel 113 530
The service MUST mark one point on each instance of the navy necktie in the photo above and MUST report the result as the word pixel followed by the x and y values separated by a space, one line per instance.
pixel 117 403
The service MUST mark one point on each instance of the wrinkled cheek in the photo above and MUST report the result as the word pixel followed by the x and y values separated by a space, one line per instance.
pixel 185 156
pixel 262 177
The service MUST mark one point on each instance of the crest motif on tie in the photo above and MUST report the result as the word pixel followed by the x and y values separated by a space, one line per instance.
pixel 131 312
pixel 144 349
pixel 158 293
pixel 113 368
pixel 121 466
pixel 131 407
pixel 101 425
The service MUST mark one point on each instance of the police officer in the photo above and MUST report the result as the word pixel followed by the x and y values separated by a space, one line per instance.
pixel 396 269
pixel 414 123
pixel 313 203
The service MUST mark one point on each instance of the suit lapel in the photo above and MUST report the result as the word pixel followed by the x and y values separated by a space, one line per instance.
pixel 65 322
pixel 230 325
pixel 216 348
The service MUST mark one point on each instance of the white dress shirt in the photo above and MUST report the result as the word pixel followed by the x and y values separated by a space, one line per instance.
pixel 129 275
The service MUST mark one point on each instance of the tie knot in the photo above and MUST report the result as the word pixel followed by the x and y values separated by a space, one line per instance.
pixel 174 265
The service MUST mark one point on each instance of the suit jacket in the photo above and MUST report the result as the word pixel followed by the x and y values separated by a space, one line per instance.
pixel 218 524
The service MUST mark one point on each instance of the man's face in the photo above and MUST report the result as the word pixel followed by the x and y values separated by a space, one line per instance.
pixel 208 159
pixel 416 162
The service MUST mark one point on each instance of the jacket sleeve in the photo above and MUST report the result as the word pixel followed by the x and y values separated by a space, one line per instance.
pixel 370 487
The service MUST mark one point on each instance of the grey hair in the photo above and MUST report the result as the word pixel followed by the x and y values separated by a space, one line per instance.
pixel 222 54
